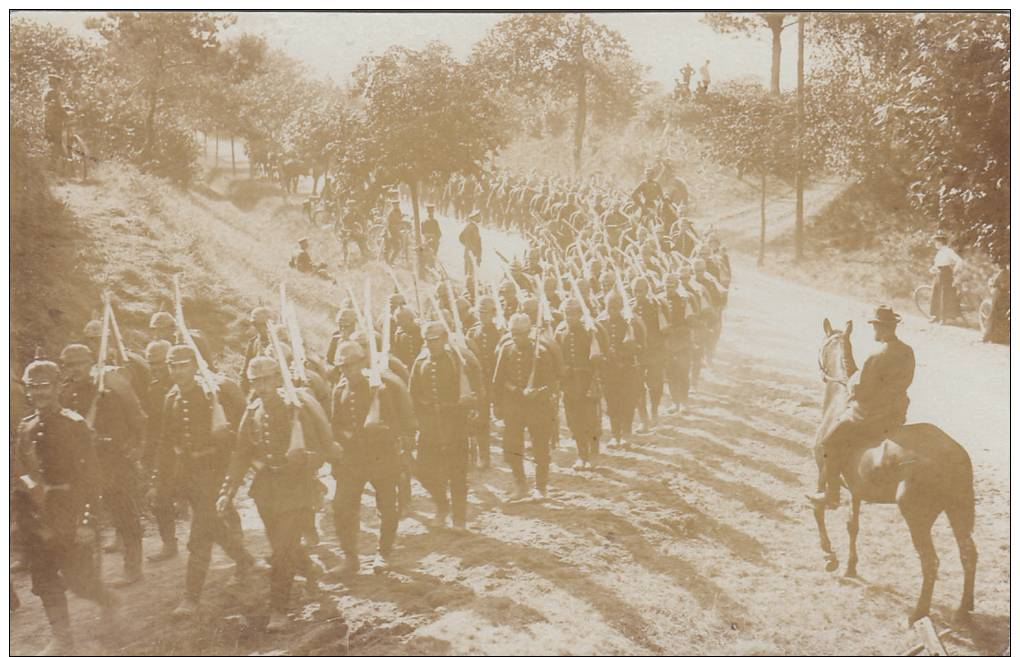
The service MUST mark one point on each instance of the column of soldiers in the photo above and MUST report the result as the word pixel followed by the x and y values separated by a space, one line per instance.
pixel 613 304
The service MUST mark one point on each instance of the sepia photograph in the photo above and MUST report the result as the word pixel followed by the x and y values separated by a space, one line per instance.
pixel 506 332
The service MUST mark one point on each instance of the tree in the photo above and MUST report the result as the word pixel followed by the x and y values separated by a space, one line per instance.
pixel 750 129
pixel 726 22
pixel 923 99
pixel 567 56
pixel 424 118
pixel 159 53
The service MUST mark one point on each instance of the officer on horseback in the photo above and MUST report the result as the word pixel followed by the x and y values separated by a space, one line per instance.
pixel 878 403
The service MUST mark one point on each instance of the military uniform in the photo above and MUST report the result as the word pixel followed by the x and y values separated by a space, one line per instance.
pixel 652 358
pixel 371 455
pixel 285 493
pixel 622 374
pixel 436 391
pixel 514 367
pixel 678 346
pixel 54 452
pixel 407 344
pixel 581 387
pixel 163 506
pixel 119 432
pixel 484 340
pixel 191 454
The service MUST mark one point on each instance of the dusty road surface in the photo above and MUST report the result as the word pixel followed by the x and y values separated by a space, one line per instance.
pixel 693 540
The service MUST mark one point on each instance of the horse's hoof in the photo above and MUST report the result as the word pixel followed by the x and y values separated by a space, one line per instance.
pixel 831 565
pixel 850 573
pixel 914 617
pixel 962 616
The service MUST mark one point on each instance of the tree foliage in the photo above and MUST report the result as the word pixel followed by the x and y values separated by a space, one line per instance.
pixel 563 58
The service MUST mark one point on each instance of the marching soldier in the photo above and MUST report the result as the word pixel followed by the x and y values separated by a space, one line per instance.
pixel 582 351
pixel 284 489
pixel 163 327
pixel 367 423
pixel 678 342
pixel 346 324
pixel 525 388
pixel 484 338
pixel 54 494
pixel 648 310
pixel 443 396
pixel 430 231
pixel 119 426
pixel 259 343
pixel 622 370
pixel 407 340
pixel 163 498
pixel 195 452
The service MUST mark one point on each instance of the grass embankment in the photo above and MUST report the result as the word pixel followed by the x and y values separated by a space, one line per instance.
pixel 131 233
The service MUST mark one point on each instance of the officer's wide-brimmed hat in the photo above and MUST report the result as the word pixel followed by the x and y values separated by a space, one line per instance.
pixel 884 315
pixel 41 372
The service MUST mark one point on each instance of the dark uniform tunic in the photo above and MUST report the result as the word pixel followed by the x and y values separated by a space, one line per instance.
pixel 622 371
pixel 516 367
pixel 54 448
pixel 581 387
pixel 190 454
pixel 119 434
pixel 653 355
pixel 678 347
pixel 435 389
pixel 163 508
pixel 285 493
pixel 370 437
pixel 484 340
pixel 471 238
pixel 407 344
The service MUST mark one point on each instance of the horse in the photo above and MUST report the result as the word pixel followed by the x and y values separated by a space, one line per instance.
pixel 918 467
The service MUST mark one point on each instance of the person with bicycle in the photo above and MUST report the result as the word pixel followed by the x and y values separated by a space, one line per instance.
pixel 351 228
pixel 945 303
pixel 431 233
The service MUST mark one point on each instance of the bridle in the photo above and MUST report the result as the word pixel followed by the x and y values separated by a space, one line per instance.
pixel 826 377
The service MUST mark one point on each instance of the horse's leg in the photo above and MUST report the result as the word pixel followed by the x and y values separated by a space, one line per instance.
pixel 962 522
pixel 853 525
pixel 831 560
pixel 920 514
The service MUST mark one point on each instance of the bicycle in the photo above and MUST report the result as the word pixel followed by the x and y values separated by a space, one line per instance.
pixel 320 212
pixel 922 299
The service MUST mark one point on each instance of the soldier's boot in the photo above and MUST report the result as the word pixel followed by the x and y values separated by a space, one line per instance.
pixel 187 609
pixel 132 566
pixel 277 621
pixel 62 642
pixel 168 552
pixel 246 567
pixel 380 564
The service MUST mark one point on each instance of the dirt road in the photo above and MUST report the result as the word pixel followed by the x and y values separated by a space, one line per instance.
pixel 693 540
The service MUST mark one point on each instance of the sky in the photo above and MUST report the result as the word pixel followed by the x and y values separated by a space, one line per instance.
pixel 331 44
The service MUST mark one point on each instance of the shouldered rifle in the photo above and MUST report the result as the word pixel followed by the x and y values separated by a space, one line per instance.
pixel 100 372
pixel 296 449
pixel 205 377
pixel 121 350
pixel 289 318
pixel 357 308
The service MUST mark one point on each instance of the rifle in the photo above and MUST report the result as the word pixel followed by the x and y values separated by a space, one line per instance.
pixel 459 342
pixel 206 380
pixel 121 351
pixel 357 308
pixel 376 367
pixel 296 449
pixel 289 318
pixel 100 373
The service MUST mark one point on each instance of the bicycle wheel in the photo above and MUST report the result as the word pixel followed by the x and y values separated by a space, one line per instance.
pixel 984 314
pixel 922 299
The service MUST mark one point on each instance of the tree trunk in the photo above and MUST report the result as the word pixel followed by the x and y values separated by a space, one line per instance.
pixel 761 241
pixel 582 97
pixel 798 233
pixel 775 23
pixel 233 164
pixel 417 228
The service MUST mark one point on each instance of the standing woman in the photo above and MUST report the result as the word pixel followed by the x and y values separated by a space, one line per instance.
pixel 945 304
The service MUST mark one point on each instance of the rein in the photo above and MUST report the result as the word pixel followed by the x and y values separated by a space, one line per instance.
pixel 826 377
